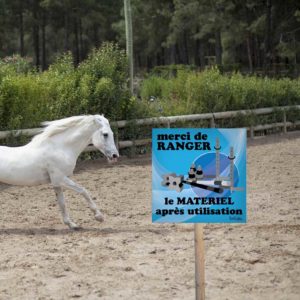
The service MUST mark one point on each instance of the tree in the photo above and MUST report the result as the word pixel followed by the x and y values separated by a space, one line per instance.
pixel 243 34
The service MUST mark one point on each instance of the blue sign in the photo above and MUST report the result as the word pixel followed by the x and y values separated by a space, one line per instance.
pixel 199 175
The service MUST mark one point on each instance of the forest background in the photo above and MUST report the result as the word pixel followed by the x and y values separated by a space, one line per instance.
pixel 62 58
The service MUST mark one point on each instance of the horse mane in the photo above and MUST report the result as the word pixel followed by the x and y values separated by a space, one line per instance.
pixel 52 128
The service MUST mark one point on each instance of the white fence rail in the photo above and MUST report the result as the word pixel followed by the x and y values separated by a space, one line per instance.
pixel 167 121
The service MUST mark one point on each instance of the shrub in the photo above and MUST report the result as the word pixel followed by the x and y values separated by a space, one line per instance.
pixel 98 85
pixel 14 65
pixel 209 91
pixel 21 102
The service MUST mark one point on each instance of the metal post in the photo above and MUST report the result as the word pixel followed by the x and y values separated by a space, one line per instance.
pixel 129 41
pixel 217 148
pixel 231 157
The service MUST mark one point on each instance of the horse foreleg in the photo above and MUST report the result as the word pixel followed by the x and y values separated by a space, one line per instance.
pixel 68 183
pixel 62 206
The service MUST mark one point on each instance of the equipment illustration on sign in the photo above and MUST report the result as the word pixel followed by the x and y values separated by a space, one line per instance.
pixel 196 175
pixel 199 175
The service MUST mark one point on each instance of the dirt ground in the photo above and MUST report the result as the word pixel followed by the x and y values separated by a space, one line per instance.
pixel 128 257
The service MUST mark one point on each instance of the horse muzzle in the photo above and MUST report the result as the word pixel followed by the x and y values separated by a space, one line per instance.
pixel 113 158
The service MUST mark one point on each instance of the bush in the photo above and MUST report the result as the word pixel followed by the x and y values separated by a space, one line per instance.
pixel 14 65
pixel 105 73
pixel 22 102
pixel 209 91
pixel 98 85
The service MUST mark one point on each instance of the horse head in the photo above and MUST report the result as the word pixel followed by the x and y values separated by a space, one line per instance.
pixel 103 139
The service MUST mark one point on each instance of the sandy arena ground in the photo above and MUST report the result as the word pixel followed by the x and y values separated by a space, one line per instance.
pixel 128 257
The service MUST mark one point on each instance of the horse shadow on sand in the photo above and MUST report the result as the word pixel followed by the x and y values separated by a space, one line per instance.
pixel 81 230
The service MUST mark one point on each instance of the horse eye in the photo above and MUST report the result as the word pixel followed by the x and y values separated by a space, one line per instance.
pixel 105 135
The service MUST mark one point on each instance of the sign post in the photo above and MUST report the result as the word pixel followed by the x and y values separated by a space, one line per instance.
pixel 199 262
pixel 199 176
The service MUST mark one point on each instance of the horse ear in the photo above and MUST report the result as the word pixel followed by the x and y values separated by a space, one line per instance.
pixel 98 120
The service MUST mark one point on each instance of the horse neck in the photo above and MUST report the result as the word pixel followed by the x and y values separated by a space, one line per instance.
pixel 77 139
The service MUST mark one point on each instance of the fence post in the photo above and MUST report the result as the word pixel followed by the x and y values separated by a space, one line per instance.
pixel 133 148
pixel 284 122
pixel 252 117
pixel 117 138
pixel 212 122
pixel 251 132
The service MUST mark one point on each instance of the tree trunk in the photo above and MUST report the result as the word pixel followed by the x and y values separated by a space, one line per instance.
pixel 81 47
pixel 177 56
pixel 199 53
pixel 259 52
pixel 66 31
pixel 249 52
pixel 139 61
pixel 21 31
pixel 173 54
pixel 295 56
pixel 255 54
pixel 163 61
pixel 268 36
pixel 185 49
pixel 76 42
pixel 44 62
pixel 149 63
pixel 95 34
pixel 218 47
pixel 158 59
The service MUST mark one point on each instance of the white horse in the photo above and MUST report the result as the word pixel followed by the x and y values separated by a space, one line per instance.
pixel 51 157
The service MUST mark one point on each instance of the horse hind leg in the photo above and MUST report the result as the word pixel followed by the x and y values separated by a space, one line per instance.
pixel 68 183
pixel 62 206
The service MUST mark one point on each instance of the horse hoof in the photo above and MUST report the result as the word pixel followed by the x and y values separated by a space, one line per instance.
pixel 73 226
pixel 99 217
